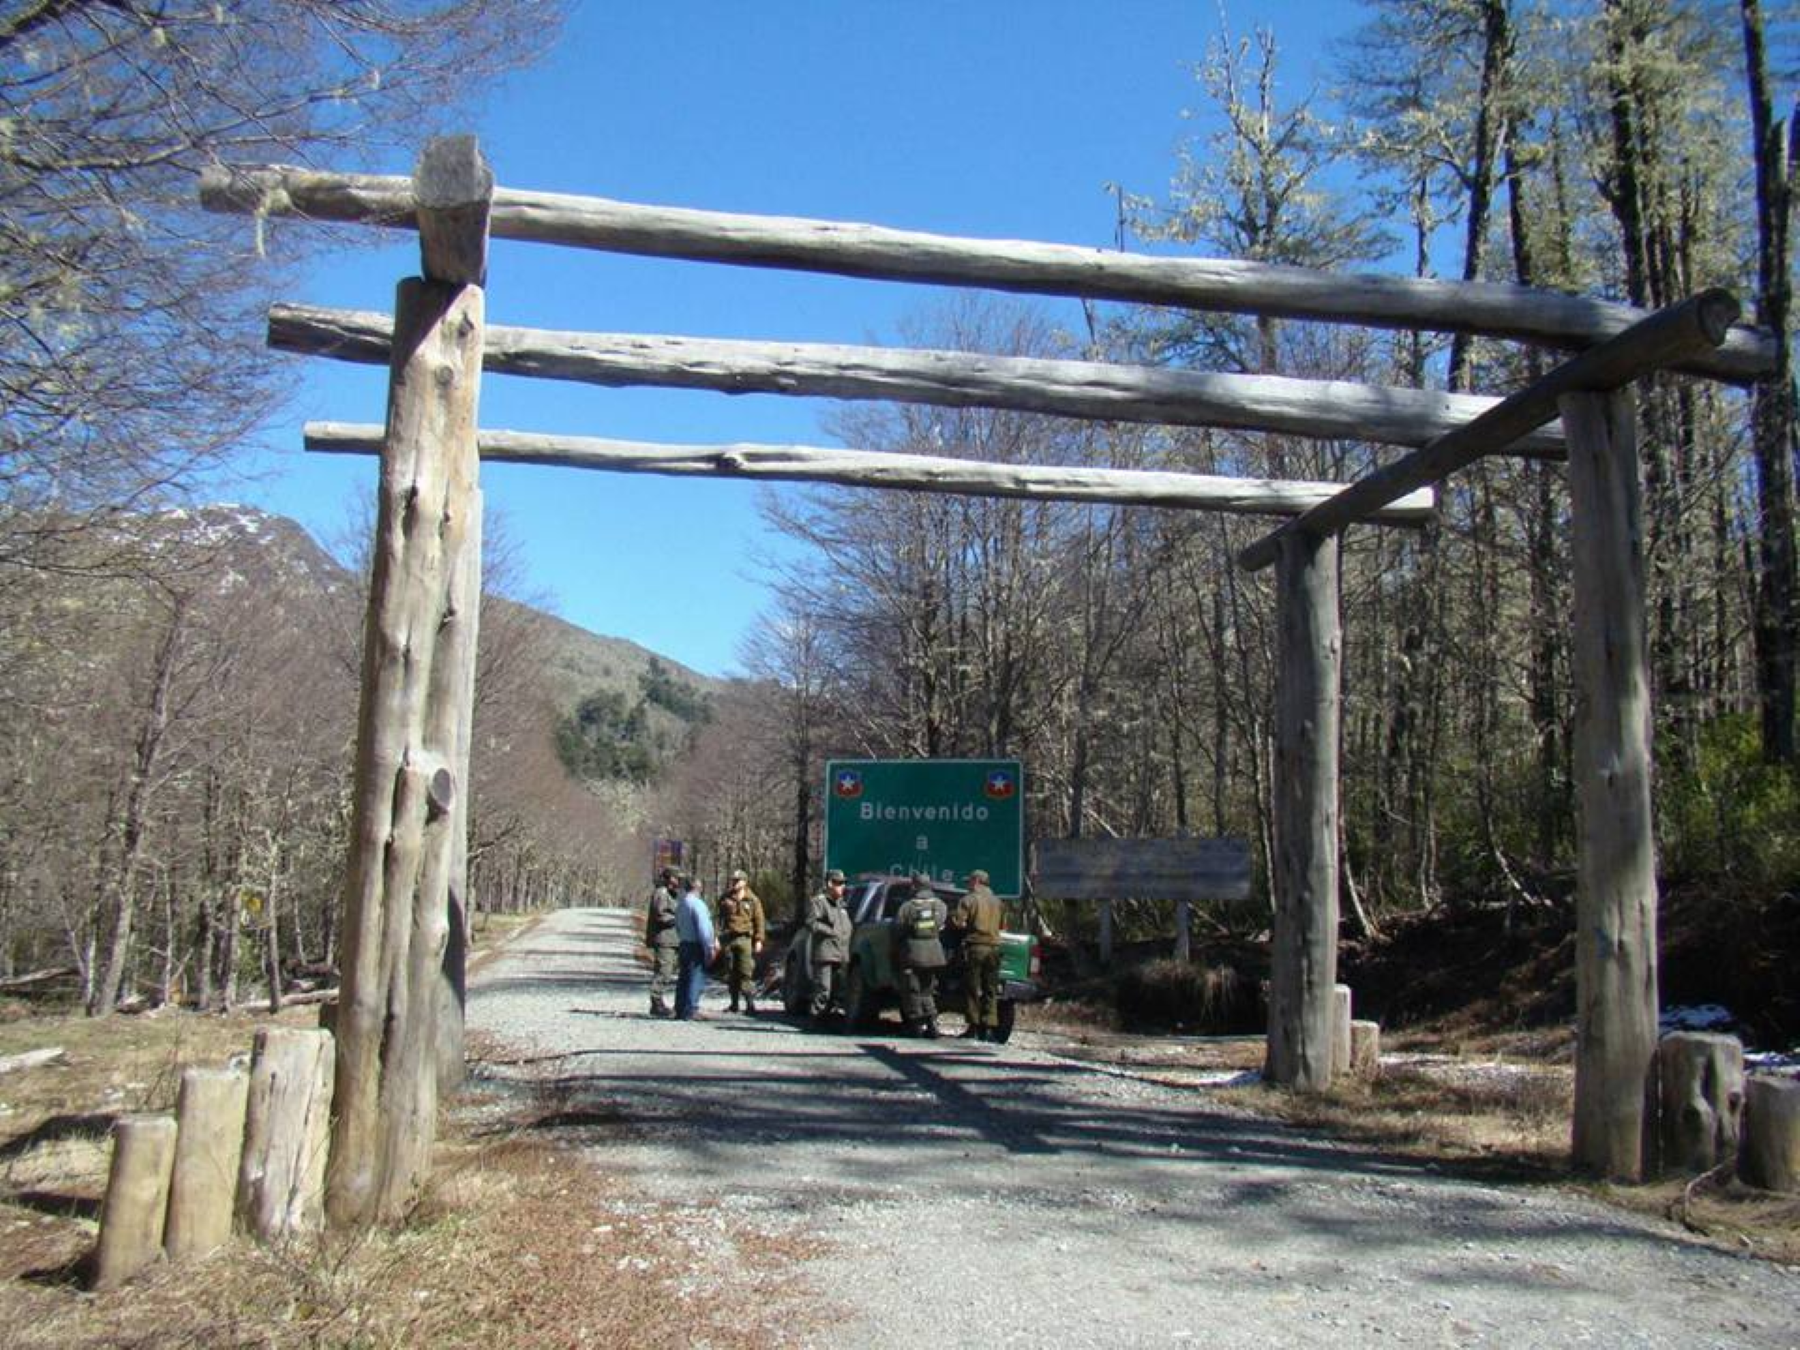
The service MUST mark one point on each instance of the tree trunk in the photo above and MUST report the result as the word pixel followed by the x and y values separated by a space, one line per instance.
pixel 1303 964
pixel 1616 895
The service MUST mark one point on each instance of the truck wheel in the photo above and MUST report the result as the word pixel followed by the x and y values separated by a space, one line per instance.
pixel 795 996
pixel 859 1006
pixel 1008 1011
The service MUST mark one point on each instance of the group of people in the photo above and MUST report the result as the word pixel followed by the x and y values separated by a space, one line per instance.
pixel 684 941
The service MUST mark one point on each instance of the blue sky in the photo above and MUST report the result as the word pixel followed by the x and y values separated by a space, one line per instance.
pixel 1003 118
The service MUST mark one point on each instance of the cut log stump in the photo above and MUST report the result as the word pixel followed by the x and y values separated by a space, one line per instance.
pixel 1365 1050
pixel 137 1196
pixel 281 1180
pixel 1770 1156
pixel 1702 1100
pixel 1342 1033
pixel 208 1149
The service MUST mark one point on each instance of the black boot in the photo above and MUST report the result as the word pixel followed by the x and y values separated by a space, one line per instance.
pixel 972 1032
pixel 734 1002
pixel 749 1005
pixel 931 1029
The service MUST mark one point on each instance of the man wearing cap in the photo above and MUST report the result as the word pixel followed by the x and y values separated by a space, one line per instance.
pixel 828 922
pixel 919 956
pixel 664 943
pixel 741 930
pixel 981 916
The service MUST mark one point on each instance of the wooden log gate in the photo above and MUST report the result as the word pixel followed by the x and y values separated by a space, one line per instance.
pixel 399 1025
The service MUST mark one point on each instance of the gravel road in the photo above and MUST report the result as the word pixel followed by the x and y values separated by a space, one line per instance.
pixel 949 1193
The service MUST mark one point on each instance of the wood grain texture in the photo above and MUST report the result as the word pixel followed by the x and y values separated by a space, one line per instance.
pixel 1088 390
pixel 882 469
pixel 1616 888
pixel 851 249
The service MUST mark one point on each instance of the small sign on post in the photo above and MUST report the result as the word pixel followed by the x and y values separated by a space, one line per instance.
pixel 670 854
pixel 942 817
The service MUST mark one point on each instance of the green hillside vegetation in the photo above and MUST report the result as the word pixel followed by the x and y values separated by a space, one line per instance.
pixel 611 737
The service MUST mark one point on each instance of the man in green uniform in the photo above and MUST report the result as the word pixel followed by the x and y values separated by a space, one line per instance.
pixel 664 943
pixel 828 924
pixel 981 916
pixel 741 930
pixel 919 956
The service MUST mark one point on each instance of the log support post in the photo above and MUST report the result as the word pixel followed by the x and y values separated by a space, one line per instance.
pixel 1341 1003
pixel 1184 940
pixel 1365 1050
pixel 1770 1156
pixel 209 1146
pixel 1106 935
pixel 137 1197
pixel 1616 899
pixel 402 978
pixel 1303 968
pixel 1700 1079
pixel 281 1175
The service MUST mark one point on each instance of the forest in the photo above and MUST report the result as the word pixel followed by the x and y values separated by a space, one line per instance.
pixel 163 791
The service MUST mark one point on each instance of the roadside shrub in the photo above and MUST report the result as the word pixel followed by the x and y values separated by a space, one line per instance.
pixel 1191 997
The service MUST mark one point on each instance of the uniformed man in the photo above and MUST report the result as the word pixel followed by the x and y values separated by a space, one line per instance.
pixel 664 943
pixel 919 956
pixel 981 916
pixel 741 930
pixel 828 923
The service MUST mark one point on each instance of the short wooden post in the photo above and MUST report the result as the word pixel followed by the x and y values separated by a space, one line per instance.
pixel 1184 942
pixel 209 1146
pixel 1106 935
pixel 1701 1085
pixel 1770 1156
pixel 1303 965
pixel 281 1178
pixel 1365 1049
pixel 1340 1030
pixel 417 689
pixel 1616 900
pixel 137 1197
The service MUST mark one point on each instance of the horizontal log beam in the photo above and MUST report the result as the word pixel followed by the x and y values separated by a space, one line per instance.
pixel 1696 324
pixel 1323 409
pixel 840 248
pixel 879 469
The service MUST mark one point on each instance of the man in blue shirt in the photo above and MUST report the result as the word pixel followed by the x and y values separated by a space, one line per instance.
pixel 699 945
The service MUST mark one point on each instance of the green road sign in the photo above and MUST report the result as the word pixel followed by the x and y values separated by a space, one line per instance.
pixel 942 817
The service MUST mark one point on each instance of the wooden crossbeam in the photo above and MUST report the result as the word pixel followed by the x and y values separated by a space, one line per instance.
pixel 1696 324
pixel 880 469
pixel 847 249
pixel 1096 391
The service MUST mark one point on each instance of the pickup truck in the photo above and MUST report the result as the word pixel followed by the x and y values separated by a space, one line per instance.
pixel 870 985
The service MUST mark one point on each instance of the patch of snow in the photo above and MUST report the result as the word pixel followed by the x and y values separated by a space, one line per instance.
pixel 1698 1017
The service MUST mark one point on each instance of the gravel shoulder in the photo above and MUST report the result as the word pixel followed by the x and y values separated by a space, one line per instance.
pixel 950 1194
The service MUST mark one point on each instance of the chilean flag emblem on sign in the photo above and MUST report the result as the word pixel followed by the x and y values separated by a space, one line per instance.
pixel 999 785
pixel 849 784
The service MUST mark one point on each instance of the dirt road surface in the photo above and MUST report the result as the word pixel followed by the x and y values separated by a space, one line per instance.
pixel 949 1193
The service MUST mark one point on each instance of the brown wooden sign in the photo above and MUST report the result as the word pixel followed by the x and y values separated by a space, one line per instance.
pixel 1141 869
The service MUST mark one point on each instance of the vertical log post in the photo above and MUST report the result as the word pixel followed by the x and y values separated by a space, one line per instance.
pixel 1106 935
pixel 1365 1049
pixel 1616 899
pixel 209 1146
pixel 1700 1077
pixel 137 1197
pixel 417 690
pixel 1184 928
pixel 1770 1153
pixel 281 1176
pixel 1303 967
pixel 1341 1004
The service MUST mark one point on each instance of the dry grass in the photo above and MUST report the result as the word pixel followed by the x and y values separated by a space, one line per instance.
pixel 520 1241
